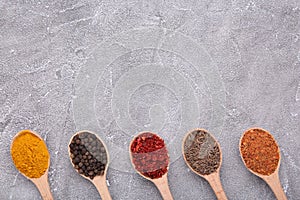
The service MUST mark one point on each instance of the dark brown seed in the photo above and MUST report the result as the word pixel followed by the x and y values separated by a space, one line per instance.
pixel 76 160
pixel 91 173
pixel 202 152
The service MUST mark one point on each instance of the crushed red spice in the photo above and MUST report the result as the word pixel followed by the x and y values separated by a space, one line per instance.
pixel 260 151
pixel 149 155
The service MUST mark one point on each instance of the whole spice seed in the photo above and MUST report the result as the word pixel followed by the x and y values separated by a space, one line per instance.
pixel 259 151
pixel 149 155
pixel 202 152
pixel 88 155
pixel 30 154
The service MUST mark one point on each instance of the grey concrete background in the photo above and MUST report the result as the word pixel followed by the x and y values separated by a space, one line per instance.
pixel 119 67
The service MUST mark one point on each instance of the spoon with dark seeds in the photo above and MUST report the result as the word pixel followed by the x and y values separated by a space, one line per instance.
pixel 89 158
pixel 261 155
pixel 203 155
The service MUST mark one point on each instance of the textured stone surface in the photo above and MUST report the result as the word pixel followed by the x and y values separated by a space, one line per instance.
pixel 118 68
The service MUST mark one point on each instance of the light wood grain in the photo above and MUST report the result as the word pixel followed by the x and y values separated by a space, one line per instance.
pixel 100 184
pixel 43 186
pixel 215 183
pixel 163 187
pixel 274 183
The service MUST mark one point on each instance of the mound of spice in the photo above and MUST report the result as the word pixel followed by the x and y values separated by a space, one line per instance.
pixel 88 155
pixel 149 155
pixel 260 151
pixel 202 152
pixel 30 154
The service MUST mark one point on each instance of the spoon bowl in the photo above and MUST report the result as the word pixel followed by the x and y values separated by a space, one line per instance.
pixel 142 159
pixel 89 157
pixel 40 182
pixel 199 146
pixel 272 178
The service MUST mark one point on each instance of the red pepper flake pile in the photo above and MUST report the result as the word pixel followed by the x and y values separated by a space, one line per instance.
pixel 149 155
pixel 260 151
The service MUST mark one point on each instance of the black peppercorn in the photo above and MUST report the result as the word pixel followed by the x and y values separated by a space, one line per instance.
pixel 88 154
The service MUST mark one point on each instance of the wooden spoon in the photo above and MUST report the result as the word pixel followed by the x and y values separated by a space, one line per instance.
pixel 42 182
pixel 214 177
pixel 273 179
pixel 99 181
pixel 162 182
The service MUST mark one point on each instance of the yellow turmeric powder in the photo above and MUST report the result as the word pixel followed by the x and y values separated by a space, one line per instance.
pixel 30 154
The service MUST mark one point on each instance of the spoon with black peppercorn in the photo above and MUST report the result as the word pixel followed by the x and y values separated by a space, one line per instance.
pixel 149 156
pixel 202 154
pixel 261 155
pixel 89 157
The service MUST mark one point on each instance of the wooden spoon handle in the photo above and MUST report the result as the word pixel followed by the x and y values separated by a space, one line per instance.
pixel 215 183
pixel 274 183
pixel 100 184
pixel 43 186
pixel 163 187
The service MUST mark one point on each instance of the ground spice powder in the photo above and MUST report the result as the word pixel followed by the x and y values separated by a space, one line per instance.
pixel 149 155
pixel 259 151
pixel 202 152
pixel 30 154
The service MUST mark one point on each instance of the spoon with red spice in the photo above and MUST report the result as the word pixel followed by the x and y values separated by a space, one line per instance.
pixel 203 155
pixel 261 155
pixel 149 156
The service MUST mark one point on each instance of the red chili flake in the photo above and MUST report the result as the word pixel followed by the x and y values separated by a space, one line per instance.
pixel 149 155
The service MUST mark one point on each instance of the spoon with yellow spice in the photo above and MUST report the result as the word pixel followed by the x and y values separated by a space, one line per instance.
pixel 31 157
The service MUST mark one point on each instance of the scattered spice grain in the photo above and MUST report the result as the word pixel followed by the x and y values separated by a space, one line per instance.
pixel 149 155
pixel 202 152
pixel 259 151
pixel 88 155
